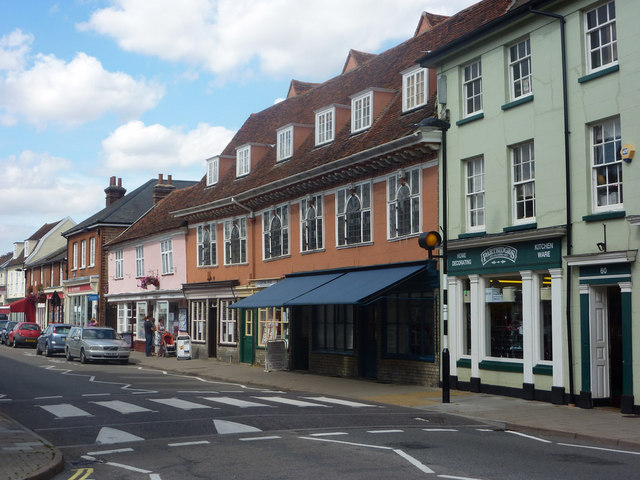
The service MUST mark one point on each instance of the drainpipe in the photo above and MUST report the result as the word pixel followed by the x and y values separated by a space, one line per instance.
pixel 567 190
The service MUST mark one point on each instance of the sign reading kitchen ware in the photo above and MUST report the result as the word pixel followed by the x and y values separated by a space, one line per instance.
pixel 530 255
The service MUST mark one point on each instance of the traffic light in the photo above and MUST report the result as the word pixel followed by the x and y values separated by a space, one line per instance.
pixel 429 241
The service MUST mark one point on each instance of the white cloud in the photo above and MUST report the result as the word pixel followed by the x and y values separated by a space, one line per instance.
pixel 52 91
pixel 289 37
pixel 156 148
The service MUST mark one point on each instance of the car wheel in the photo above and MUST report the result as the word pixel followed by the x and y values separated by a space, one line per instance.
pixel 83 357
pixel 68 355
pixel 47 349
pixel 38 351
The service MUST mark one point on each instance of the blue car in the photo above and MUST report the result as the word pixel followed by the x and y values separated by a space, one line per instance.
pixel 53 339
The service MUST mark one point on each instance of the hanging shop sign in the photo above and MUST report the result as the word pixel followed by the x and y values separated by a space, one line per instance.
pixel 530 255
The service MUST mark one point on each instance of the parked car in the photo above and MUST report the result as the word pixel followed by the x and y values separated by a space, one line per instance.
pixel 53 339
pixel 24 333
pixel 4 333
pixel 96 343
pixel 3 323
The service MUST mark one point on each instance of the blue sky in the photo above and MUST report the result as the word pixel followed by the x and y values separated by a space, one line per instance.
pixel 91 89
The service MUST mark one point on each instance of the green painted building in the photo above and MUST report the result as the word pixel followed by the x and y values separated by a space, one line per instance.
pixel 542 202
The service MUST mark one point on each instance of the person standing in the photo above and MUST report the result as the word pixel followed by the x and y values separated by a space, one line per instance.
pixel 149 328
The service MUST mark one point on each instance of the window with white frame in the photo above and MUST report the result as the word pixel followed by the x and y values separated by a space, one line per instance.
pixel 606 164
pixel 166 253
pixel 139 261
pixel 206 237
pixel 361 116
pixel 199 320
pixel 124 317
pixel 83 254
pixel 75 256
pixel 325 127
pixel 475 193
pixel 520 69
pixel 243 161
pixel 235 241
pixel 414 88
pixel 227 322
pixel 141 314
pixel 311 219
pixel 403 203
pixel 601 41
pixel 119 264
pixel 472 88
pixel 524 186
pixel 285 143
pixel 353 214
pixel 275 232
pixel 92 251
pixel 213 169
pixel 273 324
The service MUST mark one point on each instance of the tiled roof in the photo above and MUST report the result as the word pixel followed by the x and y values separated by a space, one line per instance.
pixel 42 231
pixel 5 258
pixel 427 22
pixel 56 256
pixel 296 87
pixel 126 210
pixel 355 59
pixel 381 71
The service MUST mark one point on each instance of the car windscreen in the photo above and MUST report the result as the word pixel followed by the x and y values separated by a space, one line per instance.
pixel 29 326
pixel 62 329
pixel 99 333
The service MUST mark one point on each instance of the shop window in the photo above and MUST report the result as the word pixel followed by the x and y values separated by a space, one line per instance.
pixel 503 299
pixel 141 313
pixel 198 320
pixel 333 328
pixel 228 321
pixel 273 324
pixel 409 326
pixel 124 317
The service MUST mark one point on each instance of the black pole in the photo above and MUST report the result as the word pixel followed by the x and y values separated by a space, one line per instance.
pixel 446 368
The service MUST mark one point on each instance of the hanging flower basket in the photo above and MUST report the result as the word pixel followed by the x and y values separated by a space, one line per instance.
pixel 150 280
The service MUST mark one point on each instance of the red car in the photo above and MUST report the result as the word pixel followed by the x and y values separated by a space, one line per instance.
pixel 24 333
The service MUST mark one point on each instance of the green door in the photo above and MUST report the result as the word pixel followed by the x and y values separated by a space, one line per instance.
pixel 247 328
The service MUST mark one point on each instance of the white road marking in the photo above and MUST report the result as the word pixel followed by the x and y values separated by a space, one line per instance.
pixel 108 436
pixel 385 431
pixel 225 427
pixel 420 466
pixel 253 439
pixel 457 478
pixel 328 434
pixel 187 444
pixel 439 430
pixel 178 403
pixel 531 437
pixel 109 452
pixel 236 402
pixel 96 394
pixel 600 448
pixel 65 410
pixel 154 476
pixel 346 443
pixel 291 401
pixel 47 398
pixel 123 407
pixel 339 401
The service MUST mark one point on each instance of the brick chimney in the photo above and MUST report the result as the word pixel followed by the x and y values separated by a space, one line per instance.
pixel 114 192
pixel 162 189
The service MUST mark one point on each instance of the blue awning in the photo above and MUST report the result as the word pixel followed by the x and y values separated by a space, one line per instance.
pixel 356 287
pixel 279 294
pixel 338 288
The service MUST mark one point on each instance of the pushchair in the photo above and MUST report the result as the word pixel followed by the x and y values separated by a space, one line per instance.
pixel 167 346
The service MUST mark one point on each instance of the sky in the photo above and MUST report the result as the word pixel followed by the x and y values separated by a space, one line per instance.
pixel 91 89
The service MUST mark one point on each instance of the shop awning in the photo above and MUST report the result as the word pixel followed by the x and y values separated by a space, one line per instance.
pixel 21 306
pixel 279 294
pixel 356 287
pixel 337 288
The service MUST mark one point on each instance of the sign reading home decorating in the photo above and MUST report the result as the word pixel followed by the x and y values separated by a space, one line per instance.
pixel 530 255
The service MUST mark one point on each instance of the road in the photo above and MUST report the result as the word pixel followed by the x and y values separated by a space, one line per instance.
pixel 126 422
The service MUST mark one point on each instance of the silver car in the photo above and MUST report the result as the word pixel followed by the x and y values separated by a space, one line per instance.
pixel 96 343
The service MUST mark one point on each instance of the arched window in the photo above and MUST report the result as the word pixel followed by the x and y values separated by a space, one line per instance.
pixel 403 203
pixel 275 228
pixel 354 222
pixel 311 214
pixel 354 214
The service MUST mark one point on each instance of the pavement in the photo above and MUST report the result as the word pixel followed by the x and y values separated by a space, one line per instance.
pixel 26 455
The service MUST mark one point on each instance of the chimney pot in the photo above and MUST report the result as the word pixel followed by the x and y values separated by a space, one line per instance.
pixel 169 179
pixel 120 182
pixel 160 181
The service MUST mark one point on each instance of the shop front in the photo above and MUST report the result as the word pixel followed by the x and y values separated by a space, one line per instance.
pixel 81 299
pixel 506 317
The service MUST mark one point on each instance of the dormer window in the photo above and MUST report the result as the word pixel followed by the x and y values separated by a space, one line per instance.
pixel 361 115
pixel 414 88
pixel 213 170
pixel 285 143
pixel 325 126
pixel 243 161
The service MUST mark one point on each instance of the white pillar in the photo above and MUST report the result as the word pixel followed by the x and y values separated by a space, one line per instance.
pixel 557 322
pixel 454 322
pixel 478 328
pixel 528 322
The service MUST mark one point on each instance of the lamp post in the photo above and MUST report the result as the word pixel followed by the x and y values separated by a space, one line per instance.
pixel 431 240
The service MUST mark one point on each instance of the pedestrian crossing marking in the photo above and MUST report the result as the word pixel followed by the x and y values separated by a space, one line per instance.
pixel 178 403
pixel 291 401
pixel 338 401
pixel 236 402
pixel 226 427
pixel 123 407
pixel 65 410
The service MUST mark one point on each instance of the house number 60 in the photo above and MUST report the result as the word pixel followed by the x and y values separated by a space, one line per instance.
pixel 603 270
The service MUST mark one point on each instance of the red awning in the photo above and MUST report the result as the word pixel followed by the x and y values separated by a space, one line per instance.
pixel 22 305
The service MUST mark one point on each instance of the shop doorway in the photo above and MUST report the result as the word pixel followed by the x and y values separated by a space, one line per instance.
pixel 212 331
pixel 368 344
pixel 606 345
pixel 246 321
